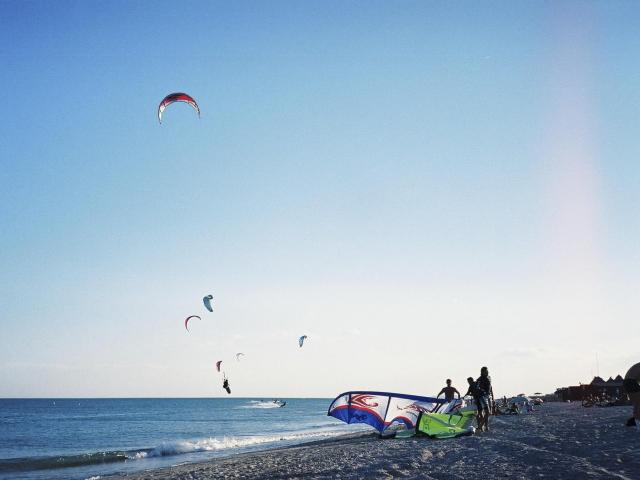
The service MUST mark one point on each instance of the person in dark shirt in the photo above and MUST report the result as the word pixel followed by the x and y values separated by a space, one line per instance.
pixel 474 392
pixel 449 392
pixel 485 400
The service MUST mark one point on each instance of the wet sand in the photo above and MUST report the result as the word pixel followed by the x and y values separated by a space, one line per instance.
pixel 556 441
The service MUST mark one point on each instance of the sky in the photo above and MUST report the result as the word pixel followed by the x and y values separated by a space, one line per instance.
pixel 422 188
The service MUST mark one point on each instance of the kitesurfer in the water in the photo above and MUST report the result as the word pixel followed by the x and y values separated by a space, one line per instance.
pixel 449 392
pixel 226 385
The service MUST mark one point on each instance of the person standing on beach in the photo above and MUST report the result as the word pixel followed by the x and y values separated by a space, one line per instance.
pixel 449 392
pixel 486 397
pixel 474 392
pixel 631 385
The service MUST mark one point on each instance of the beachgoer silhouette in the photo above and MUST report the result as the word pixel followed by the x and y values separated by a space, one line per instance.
pixel 631 386
pixel 486 397
pixel 474 392
pixel 449 392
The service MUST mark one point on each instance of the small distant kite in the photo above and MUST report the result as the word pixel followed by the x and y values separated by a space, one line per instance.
pixel 186 321
pixel 238 356
pixel 207 302
pixel 218 363
pixel 301 340
pixel 177 97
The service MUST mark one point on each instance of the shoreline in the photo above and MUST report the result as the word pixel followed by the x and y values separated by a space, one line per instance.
pixel 558 440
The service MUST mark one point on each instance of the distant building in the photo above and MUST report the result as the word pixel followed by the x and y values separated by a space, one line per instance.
pixel 598 386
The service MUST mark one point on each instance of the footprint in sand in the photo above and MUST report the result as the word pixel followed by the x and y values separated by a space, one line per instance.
pixel 426 455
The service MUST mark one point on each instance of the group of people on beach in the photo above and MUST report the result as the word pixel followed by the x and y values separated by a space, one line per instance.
pixel 482 393
pixel 603 400
pixel 513 408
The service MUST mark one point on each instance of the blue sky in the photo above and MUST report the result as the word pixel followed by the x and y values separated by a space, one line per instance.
pixel 423 188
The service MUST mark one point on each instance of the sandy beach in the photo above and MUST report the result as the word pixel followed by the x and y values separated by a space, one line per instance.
pixel 556 441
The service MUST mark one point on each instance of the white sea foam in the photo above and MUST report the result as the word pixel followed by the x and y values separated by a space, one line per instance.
pixel 259 404
pixel 224 443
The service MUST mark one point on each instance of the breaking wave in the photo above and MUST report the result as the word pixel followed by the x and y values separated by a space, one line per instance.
pixel 163 450
pixel 224 443
pixel 260 404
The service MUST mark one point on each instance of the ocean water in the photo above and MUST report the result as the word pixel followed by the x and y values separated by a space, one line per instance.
pixel 88 438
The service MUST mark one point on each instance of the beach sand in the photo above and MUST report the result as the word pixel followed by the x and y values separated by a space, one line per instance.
pixel 556 441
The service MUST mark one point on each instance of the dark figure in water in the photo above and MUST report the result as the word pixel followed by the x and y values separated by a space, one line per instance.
pixel 449 392
pixel 486 397
pixel 226 385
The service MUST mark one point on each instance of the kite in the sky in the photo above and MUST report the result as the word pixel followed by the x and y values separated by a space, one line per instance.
pixel 176 97
pixel 301 340
pixel 207 302
pixel 238 356
pixel 218 363
pixel 186 321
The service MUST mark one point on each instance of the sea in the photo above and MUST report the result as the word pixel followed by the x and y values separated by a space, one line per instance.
pixel 78 439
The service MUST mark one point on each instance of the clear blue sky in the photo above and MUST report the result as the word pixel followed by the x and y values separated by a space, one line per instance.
pixel 421 187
